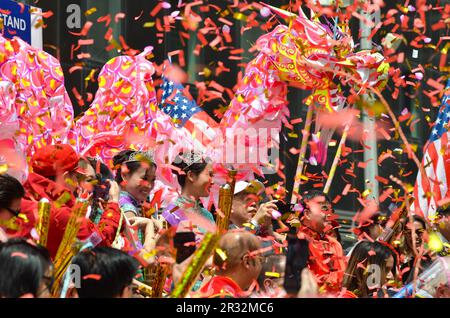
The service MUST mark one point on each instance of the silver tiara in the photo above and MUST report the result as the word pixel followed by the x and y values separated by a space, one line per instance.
pixel 142 156
pixel 191 157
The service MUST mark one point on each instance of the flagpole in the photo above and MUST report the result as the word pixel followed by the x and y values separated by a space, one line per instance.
pixel 336 159
pixel 301 157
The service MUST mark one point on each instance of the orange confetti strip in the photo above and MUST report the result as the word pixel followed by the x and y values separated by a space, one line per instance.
pixel 386 193
pixel 296 121
pixel 47 14
pixel 156 9
pixel 106 19
pixel 381 179
pixel 437 26
pixel 225 21
pixel 123 43
pixel 76 93
pixel 439 87
pixel 216 86
pixel 237 51
pixel 92 276
pixel 180 54
pixel 84 30
pixel 346 189
pixel 108 34
pixel 85 42
pixel 83 56
pixel 22 7
pixel 337 199
pixel 227 37
pixel 190 5
pixel 216 41
pixel 119 16
pixel 75 68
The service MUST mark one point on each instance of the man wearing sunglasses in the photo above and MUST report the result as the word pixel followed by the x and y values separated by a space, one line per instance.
pixel 11 194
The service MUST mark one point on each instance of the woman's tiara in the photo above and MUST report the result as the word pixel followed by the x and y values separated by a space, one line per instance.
pixel 145 156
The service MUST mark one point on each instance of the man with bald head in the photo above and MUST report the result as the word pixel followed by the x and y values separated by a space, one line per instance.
pixel 238 263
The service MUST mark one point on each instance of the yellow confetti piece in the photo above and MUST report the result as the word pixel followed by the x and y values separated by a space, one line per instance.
pixel 62 199
pixel 3 168
pixel 40 122
pixel 91 75
pixel 221 253
pixel 249 225
pixel 434 242
pixel 366 193
pixel 239 16
pixel 118 108
pixel 272 274
pixel 90 11
pixel 23 217
pixel 149 24
pixel 303 177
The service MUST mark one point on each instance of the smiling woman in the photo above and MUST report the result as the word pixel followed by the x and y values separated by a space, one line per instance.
pixel 195 177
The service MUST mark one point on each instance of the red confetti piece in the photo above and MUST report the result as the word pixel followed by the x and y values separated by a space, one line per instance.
pixel 156 9
pixel 346 189
pixel 92 276
pixel 19 254
pixel 106 19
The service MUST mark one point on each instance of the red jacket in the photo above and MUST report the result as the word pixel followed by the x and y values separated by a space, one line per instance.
pixel 326 259
pixel 221 287
pixel 38 187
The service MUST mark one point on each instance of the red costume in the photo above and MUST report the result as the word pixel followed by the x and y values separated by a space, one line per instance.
pixel 51 161
pixel 38 187
pixel 326 259
pixel 221 287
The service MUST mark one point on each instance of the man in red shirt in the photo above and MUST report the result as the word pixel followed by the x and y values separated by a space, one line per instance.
pixel 238 263
pixel 57 175
pixel 326 258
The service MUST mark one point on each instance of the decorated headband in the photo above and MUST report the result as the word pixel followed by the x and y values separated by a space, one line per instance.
pixel 137 156
pixel 191 157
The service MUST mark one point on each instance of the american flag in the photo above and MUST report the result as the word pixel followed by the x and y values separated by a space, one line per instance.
pixel 434 193
pixel 186 114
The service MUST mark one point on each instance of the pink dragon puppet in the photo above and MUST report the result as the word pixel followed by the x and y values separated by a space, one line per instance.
pixel 308 55
pixel 125 115
pixel 35 108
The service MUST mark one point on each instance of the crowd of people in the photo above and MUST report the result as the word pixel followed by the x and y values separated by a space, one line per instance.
pixel 128 248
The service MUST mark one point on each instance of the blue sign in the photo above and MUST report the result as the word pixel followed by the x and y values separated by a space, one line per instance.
pixel 16 20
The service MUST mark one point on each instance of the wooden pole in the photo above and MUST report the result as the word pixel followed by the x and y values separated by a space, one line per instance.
pixel 301 157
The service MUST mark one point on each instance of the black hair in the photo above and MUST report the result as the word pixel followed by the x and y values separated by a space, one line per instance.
pixel 10 190
pixel 115 270
pixel 101 188
pixel 103 173
pixel 23 267
pixel 309 195
pixel 420 219
pixel 443 210
pixel 132 166
pixel 356 276
pixel 196 168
